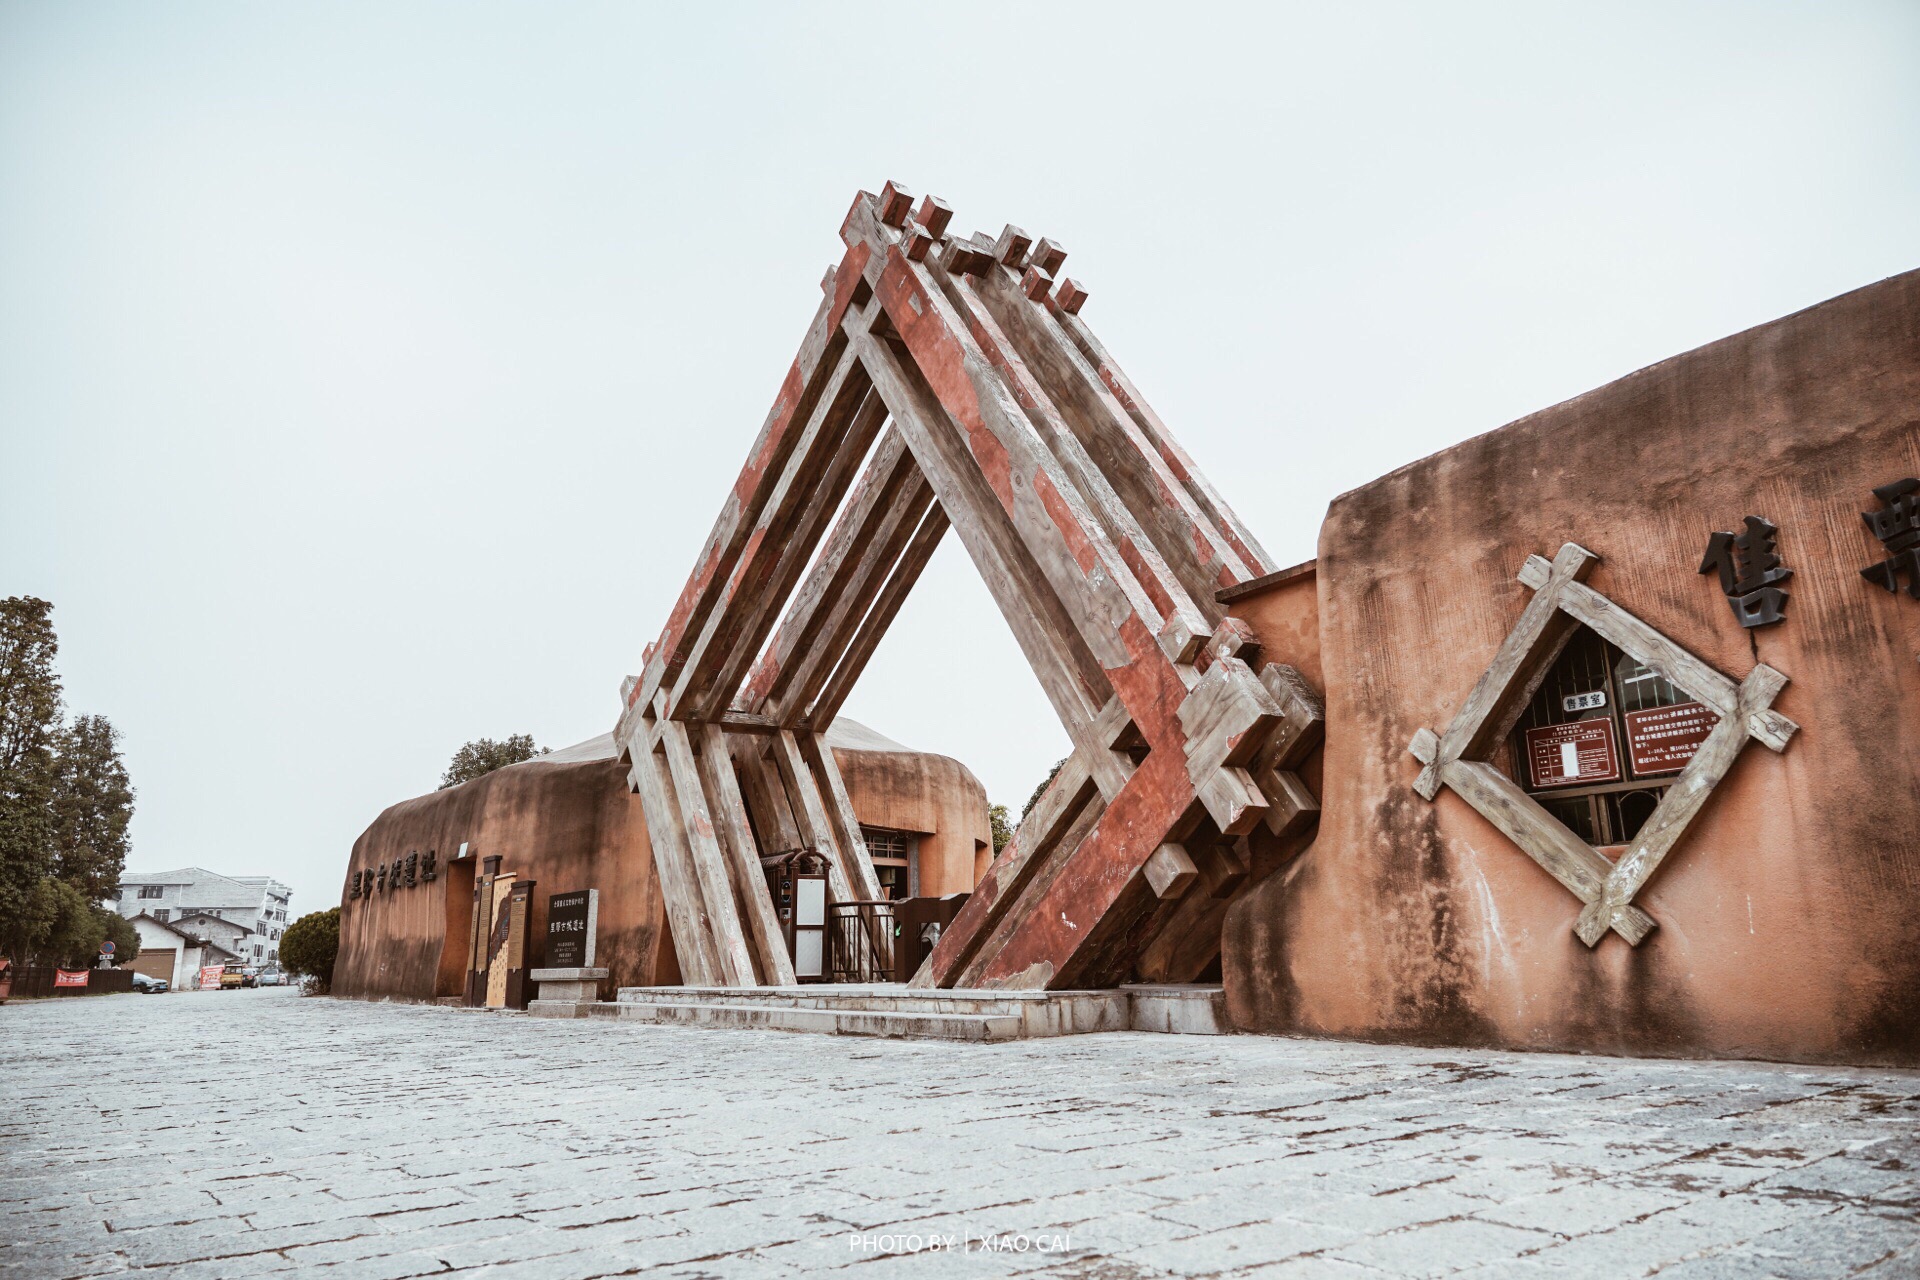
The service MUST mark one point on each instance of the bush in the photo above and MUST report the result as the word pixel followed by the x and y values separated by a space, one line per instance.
pixel 310 946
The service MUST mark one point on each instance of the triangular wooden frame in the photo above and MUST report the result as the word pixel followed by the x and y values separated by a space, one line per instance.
pixel 1459 758
pixel 950 382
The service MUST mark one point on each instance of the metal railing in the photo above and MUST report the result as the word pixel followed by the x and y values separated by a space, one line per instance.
pixel 860 942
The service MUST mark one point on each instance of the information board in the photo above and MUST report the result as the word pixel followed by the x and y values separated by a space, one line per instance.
pixel 1663 739
pixel 572 920
pixel 1576 754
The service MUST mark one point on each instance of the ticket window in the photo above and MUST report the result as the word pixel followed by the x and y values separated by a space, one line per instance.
pixel 896 861
pixel 1603 739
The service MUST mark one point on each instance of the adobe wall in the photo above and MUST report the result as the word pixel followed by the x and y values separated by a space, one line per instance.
pixel 1789 914
pixel 935 796
pixel 576 826
pixel 567 826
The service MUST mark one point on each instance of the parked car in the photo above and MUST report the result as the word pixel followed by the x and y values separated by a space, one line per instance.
pixel 270 977
pixel 234 978
pixel 148 986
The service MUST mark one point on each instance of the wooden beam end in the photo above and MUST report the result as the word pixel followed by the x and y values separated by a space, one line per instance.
pixel 896 202
pixel 1070 297
pixel 1170 871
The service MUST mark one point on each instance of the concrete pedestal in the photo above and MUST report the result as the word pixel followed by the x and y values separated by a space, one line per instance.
pixel 565 993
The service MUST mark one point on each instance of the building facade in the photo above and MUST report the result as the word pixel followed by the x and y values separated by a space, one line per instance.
pixel 247 915
pixel 569 821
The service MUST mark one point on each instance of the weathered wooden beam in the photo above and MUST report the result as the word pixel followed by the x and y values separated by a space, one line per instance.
pixel 709 862
pixel 1566 857
pixel 740 618
pixel 1683 800
pixel 756 597
pixel 1516 671
pixel 838 623
pixel 1170 600
pixel 743 858
pixel 847 834
pixel 1187 536
pixel 850 876
pixel 1162 441
pixel 857 652
pixel 886 476
pixel 1071 677
pixel 680 894
pixel 793 405
pixel 1034 840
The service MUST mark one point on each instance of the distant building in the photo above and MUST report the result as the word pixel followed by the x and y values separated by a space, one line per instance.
pixel 243 915
pixel 174 954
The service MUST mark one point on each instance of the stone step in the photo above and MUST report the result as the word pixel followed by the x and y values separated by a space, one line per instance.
pixel 1037 1013
pixel 977 1027
pixel 1187 1009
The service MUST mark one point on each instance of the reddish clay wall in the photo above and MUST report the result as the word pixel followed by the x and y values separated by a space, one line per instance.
pixel 575 826
pixel 933 796
pixel 1787 915
pixel 566 826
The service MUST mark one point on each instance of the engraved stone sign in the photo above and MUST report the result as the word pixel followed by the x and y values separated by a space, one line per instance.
pixel 572 922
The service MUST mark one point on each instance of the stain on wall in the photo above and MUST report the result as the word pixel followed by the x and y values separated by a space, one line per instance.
pixel 1787 920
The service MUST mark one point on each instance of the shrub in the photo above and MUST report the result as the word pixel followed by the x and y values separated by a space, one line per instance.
pixel 310 946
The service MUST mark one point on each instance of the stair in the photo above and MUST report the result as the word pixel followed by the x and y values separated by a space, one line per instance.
pixel 878 1010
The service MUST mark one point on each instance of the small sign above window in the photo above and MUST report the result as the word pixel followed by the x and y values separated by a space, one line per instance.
pixel 1584 701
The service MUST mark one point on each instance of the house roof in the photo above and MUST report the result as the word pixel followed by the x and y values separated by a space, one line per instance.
pixel 845 733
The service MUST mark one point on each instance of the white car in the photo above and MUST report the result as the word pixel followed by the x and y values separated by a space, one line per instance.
pixel 270 978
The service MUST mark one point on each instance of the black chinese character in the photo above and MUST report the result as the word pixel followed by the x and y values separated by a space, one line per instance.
pixel 413 869
pixel 381 879
pixel 1897 525
pixel 353 886
pixel 430 866
pixel 1748 569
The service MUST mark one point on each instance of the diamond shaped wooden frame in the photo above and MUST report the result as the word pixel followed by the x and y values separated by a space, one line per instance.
pixel 1460 758
pixel 949 382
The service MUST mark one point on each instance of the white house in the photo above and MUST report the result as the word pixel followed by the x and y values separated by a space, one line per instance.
pixel 174 955
pixel 257 905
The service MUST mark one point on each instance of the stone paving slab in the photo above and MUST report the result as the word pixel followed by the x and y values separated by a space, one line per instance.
pixel 385 1142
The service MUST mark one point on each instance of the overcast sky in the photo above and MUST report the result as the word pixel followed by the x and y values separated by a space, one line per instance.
pixel 370 374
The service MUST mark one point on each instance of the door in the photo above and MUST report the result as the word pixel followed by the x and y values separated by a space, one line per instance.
pixel 157 964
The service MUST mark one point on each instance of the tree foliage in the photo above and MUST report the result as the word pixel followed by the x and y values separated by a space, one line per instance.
pixel 1041 790
pixel 65 804
pixel 310 946
pixel 1002 826
pixel 483 755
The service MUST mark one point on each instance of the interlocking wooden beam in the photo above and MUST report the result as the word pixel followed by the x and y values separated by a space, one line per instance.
pixel 1100 543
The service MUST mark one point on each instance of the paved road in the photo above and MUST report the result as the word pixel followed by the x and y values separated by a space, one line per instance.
pixel 234 1134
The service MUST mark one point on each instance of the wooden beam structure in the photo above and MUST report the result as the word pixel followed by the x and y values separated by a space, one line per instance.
pixel 950 383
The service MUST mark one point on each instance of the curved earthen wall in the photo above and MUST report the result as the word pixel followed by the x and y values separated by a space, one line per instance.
pixel 572 823
pixel 1789 913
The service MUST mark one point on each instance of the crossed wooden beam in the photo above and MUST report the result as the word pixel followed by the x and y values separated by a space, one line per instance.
pixel 1459 758
pixel 948 382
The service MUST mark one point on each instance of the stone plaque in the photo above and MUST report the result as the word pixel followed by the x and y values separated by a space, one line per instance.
pixel 1663 739
pixel 1572 755
pixel 572 922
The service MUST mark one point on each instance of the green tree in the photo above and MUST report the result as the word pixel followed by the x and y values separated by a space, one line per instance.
pixel 310 946
pixel 1041 790
pixel 483 755
pixel 29 718
pixel 92 805
pixel 125 938
pixel 1001 825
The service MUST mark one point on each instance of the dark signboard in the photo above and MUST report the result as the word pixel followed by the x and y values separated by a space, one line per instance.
pixel 1663 739
pixel 572 919
pixel 1572 755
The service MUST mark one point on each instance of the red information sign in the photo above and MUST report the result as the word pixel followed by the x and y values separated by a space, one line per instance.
pixel 1567 755
pixel 70 977
pixel 1663 739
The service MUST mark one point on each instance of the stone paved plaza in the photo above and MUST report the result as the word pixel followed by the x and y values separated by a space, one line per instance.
pixel 393 1141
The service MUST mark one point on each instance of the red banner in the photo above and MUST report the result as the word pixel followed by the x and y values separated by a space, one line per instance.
pixel 70 977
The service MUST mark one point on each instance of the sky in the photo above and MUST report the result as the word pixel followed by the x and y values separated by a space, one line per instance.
pixel 371 373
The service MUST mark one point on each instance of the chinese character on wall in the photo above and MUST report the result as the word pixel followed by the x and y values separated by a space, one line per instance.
pixel 1749 569
pixel 1897 525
